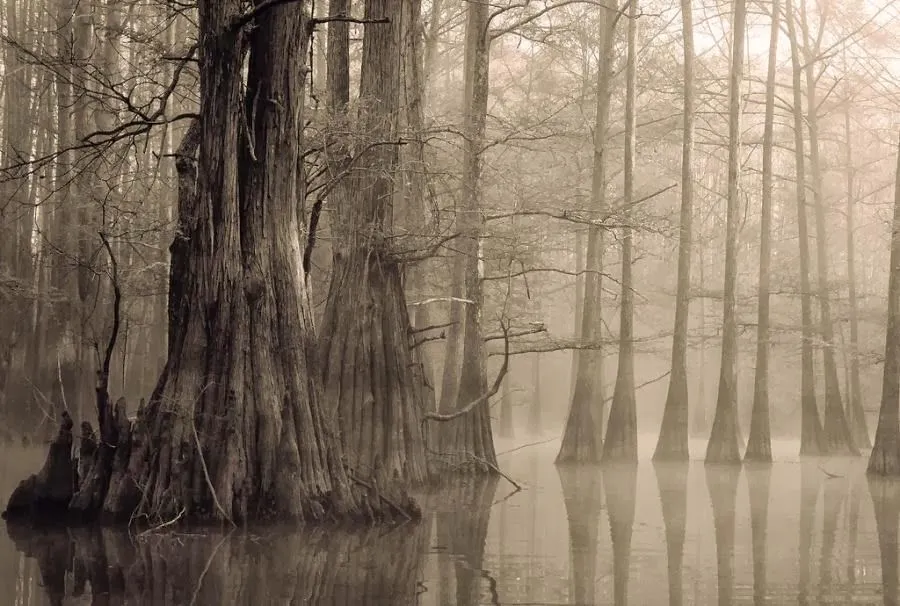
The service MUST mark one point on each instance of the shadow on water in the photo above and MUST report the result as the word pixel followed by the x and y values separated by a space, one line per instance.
pixel 671 480
pixel 242 567
pixel 759 481
pixel 886 502
pixel 583 498
pixel 620 487
pixel 722 481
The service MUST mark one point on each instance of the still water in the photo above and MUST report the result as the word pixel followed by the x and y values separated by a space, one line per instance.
pixel 816 532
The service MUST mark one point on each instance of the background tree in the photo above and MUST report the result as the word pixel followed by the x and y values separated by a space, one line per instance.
pixel 723 441
pixel 673 432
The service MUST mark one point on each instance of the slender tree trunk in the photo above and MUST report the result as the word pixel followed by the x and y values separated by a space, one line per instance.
pixel 759 444
pixel 535 411
pixel 885 457
pixel 579 306
pixel 621 432
pixel 467 441
pixel 506 426
pixel 700 423
pixel 583 433
pixel 837 436
pixel 673 434
pixel 856 414
pixel 723 441
pixel 811 434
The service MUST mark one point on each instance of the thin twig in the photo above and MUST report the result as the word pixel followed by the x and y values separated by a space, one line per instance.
pixel 164 524
pixel 526 446
pixel 62 388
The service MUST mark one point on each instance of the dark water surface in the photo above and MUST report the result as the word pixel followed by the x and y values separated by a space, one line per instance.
pixel 816 532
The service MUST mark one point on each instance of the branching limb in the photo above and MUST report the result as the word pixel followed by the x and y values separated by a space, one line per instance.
pixel 434 416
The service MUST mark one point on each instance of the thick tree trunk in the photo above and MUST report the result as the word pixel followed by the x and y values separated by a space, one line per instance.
pixel 370 368
pixel 759 444
pixel 583 433
pixel 723 444
pixel 671 481
pixel 672 444
pixel 235 429
pixel 885 457
pixel 837 436
pixel 621 432
pixel 812 439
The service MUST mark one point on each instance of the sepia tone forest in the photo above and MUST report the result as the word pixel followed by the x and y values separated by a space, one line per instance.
pixel 286 259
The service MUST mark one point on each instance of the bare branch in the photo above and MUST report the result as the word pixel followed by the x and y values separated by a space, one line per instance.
pixel 434 416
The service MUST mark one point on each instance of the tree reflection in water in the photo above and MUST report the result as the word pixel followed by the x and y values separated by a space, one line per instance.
pixel 722 481
pixel 272 566
pixel 759 480
pixel 671 480
pixel 620 487
pixel 885 495
pixel 811 478
pixel 464 512
pixel 583 497
pixel 833 501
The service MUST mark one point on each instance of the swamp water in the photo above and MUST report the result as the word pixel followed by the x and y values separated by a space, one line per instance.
pixel 812 532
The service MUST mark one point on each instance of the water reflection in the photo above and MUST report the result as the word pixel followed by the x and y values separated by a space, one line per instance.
pixel 583 497
pixel 811 478
pixel 462 524
pixel 759 481
pixel 832 504
pixel 680 534
pixel 272 567
pixel 886 501
pixel 620 486
pixel 722 481
pixel 671 481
